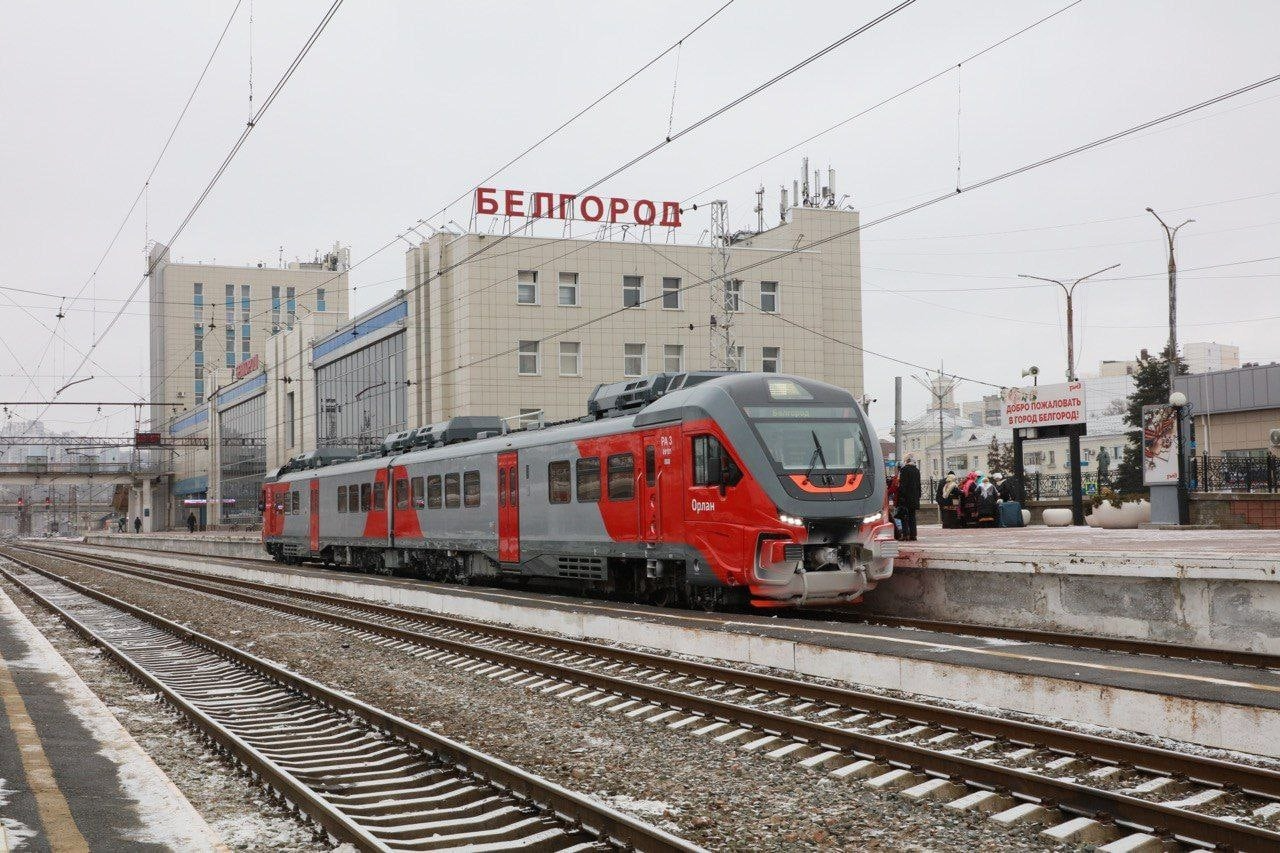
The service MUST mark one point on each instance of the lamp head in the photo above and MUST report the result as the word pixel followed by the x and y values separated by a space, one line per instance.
pixel 1177 399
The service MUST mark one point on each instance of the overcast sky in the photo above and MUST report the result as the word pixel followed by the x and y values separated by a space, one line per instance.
pixel 403 106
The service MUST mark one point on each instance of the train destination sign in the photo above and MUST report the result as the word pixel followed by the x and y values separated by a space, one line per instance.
pixel 1043 406
pixel 490 201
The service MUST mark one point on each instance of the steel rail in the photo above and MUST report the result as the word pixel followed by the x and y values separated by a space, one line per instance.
pixel 1153 648
pixel 573 809
pixel 1065 794
pixel 1156 648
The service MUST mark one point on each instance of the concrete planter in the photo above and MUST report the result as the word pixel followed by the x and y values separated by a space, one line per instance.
pixel 1057 517
pixel 1124 517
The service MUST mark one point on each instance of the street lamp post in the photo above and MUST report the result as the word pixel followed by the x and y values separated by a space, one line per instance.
pixel 1171 234
pixel 1070 291
pixel 1179 402
pixel 1073 439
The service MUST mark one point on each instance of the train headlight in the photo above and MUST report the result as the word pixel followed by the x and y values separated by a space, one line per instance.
pixel 790 519
pixel 872 519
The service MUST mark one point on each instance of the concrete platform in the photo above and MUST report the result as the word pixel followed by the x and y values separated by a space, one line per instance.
pixel 71 777
pixel 1207 703
pixel 207 543
pixel 1217 588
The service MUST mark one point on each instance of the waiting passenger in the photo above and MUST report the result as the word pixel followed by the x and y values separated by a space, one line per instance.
pixel 948 498
pixel 909 498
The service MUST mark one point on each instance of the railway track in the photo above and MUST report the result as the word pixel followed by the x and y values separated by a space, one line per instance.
pixel 1066 639
pixel 364 776
pixel 1018 771
pixel 1054 638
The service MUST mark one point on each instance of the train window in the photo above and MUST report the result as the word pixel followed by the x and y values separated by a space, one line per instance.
pixel 366 492
pixel 433 492
pixel 353 499
pixel 452 491
pixel 471 488
pixel 559 489
pixel 419 500
pixel 402 493
pixel 513 486
pixel 296 504
pixel 650 466
pixel 712 465
pixel 502 487
pixel 588 471
pixel 379 496
pixel 342 498
pixel 622 477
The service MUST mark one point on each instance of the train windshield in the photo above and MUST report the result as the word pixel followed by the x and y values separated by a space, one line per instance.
pixel 811 437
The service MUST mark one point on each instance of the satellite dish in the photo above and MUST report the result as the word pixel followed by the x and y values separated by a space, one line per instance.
pixel 1275 438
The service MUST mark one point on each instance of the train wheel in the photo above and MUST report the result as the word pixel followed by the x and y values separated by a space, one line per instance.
pixel 706 598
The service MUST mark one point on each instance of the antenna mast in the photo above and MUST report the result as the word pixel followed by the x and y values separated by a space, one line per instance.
pixel 724 355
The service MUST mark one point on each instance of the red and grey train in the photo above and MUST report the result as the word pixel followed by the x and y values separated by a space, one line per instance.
pixel 698 488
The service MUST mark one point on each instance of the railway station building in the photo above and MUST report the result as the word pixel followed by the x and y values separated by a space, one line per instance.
pixel 524 328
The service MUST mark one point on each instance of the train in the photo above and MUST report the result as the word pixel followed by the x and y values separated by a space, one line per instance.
pixel 706 489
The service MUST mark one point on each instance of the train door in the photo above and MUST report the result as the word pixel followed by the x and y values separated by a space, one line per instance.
pixel 315 514
pixel 508 508
pixel 650 490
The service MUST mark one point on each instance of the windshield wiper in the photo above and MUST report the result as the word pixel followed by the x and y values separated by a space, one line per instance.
pixel 817 454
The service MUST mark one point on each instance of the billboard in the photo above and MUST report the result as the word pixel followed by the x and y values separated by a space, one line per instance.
pixel 1159 445
pixel 1046 405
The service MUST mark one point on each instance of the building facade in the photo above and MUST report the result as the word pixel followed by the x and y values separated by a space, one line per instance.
pixel 208 319
pixel 524 331
pixel 1210 357
pixel 1234 410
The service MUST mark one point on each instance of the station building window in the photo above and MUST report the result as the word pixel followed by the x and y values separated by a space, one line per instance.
pixel 771 359
pixel 529 358
pixel 527 287
pixel 567 295
pixel 733 296
pixel 632 290
pixel 633 359
pixel 769 297
pixel 671 294
pixel 673 358
pixel 570 358
pixel 243 458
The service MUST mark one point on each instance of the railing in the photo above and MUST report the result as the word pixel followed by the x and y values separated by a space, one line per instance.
pixel 85 468
pixel 1234 473
pixel 1040 486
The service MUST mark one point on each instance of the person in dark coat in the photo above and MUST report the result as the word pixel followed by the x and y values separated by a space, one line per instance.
pixel 948 498
pixel 1011 489
pixel 137 524
pixel 191 522
pixel 121 523
pixel 908 498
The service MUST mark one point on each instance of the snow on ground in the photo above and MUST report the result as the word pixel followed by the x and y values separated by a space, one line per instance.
pixel 164 813
pixel 13 834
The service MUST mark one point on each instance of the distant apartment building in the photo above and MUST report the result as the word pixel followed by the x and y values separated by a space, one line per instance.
pixel 208 319
pixel 1210 357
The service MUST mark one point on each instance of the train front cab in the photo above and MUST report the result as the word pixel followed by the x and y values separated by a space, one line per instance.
pixel 784 495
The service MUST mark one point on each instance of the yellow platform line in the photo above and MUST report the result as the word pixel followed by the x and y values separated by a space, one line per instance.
pixel 59 827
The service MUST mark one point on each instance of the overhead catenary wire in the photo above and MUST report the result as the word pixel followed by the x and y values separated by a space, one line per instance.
pixel 638 158
pixel 235 148
pixel 980 184
pixel 902 93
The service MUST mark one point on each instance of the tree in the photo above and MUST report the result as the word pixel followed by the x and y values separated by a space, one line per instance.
pixel 993 455
pixel 1151 387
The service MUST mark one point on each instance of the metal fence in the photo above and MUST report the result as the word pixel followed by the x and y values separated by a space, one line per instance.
pixel 1041 486
pixel 1234 473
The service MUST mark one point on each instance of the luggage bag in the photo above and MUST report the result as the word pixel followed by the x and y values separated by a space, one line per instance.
pixel 1010 514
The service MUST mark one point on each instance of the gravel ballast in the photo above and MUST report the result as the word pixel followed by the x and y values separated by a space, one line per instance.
pixel 713 794
pixel 242 816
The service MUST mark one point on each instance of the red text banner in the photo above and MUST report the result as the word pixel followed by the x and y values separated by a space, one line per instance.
pixel 491 201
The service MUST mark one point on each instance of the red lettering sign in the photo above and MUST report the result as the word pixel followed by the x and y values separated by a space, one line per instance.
pixel 492 201
pixel 246 367
pixel 146 439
